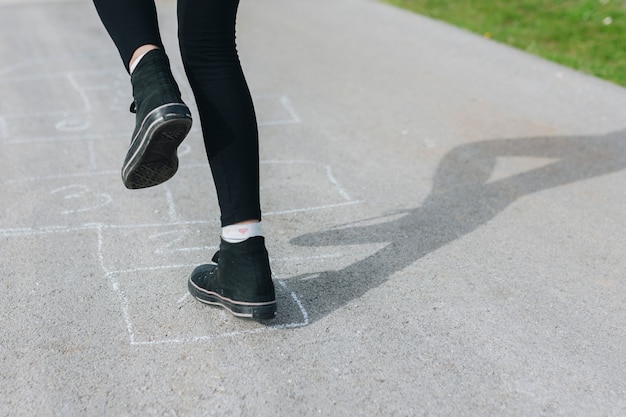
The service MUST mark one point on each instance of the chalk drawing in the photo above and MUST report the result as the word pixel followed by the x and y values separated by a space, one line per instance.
pixel 171 204
pixel 70 117
pixel 85 199
pixel 172 241
pixel 126 301
pixel 83 193
pixel 283 114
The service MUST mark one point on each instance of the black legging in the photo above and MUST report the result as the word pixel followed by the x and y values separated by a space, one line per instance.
pixel 206 34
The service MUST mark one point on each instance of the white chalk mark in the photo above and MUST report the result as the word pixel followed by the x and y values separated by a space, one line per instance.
pixel 333 180
pixel 195 249
pixel 171 204
pixel 313 208
pixel 115 285
pixel 305 314
pixel 83 192
pixel 283 100
pixel 38 232
pixel 156 225
pixel 105 199
pixel 172 244
pixel 27 231
pixel 71 121
pixel 326 167
pixel 183 298
pixel 238 333
pixel 328 170
pixel 100 249
pixel 305 258
pixel 61 176
pixel 152 268
pixel 309 277
pixel 125 308
pixel 70 124
pixel 82 188
pixel 64 138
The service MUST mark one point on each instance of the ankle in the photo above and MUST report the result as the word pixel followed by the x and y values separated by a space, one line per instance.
pixel 239 232
pixel 153 83
pixel 138 55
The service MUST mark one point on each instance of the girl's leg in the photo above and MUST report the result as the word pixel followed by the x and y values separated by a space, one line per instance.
pixel 240 279
pixel 207 43
pixel 162 119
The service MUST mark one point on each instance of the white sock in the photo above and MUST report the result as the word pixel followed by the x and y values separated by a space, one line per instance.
pixel 134 64
pixel 237 233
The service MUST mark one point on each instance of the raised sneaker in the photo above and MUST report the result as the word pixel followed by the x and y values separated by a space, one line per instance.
pixel 162 122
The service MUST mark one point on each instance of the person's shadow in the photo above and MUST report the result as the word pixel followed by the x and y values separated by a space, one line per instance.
pixel 461 200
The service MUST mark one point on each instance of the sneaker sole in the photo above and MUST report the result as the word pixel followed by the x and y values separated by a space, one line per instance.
pixel 152 158
pixel 257 311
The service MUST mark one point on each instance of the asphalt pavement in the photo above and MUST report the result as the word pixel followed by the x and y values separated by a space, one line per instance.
pixel 444 215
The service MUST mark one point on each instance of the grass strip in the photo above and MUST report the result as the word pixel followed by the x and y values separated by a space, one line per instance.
pixel 587 35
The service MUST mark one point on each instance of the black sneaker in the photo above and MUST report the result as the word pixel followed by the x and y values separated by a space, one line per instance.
pixel 239 280
pixel 162 122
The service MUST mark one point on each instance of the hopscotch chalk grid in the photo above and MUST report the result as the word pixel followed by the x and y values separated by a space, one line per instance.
pixel 76 198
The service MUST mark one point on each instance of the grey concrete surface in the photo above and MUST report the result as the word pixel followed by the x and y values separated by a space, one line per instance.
pixel 445 217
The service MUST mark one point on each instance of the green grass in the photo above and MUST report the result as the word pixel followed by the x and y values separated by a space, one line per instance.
pixel 587 35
